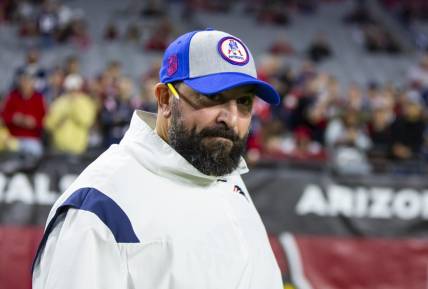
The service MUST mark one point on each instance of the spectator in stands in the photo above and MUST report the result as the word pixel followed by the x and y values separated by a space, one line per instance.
pixel 271 70
pixel 23 113
pixel 306 72
pixel 266 141
pixel 157 41
pixel 117 112
pixel 72 66
pixel 70 117
pixel 48 23
pixel 348 141
pixel 25 16
pixel 161 35
pixel 380 133
pixel 66 15
pixel 269 67
pixel 111 32
pixel 7 10
pixel 133 34
pixel 55 85
pixel 281 46
pixel 359 14
pixel 408 12
pixel 418 77
pixel 107 82
pixel 114 70
pixel 315 120
pixel 377 39
pixel 311 109
pixel 319 49
pixel 408 129
pixel 300 146
pixel 355 99
pixel 79 34
pixel 33 67
pixel 153 8
pixel 275 14
pixel 147 101
pixel 330 96
pixel 213 6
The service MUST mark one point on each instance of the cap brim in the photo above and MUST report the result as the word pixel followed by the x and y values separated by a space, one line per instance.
pixel 216 83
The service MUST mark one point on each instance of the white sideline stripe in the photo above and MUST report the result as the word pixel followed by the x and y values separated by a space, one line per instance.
pixel 296 270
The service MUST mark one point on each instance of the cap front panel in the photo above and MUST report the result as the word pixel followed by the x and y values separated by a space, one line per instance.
pixel 214 52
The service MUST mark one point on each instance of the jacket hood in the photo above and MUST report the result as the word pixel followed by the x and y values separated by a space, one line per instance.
pixel 159 157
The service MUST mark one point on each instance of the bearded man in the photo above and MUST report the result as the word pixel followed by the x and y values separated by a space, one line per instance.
pixel 167 207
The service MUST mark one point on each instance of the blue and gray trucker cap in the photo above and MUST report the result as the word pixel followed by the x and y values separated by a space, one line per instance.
pixel 211 61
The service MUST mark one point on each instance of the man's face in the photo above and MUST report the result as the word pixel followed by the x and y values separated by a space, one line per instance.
pixel 412 111
pixel 211 132
pixel 26 84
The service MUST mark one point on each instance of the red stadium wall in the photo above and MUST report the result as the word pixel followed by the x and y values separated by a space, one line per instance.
pixel 17 246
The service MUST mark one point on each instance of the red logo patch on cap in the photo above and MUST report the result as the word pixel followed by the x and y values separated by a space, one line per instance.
pixel 172 65
pixel 233 51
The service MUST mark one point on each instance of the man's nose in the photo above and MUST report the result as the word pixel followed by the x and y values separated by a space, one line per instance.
pixel 229 114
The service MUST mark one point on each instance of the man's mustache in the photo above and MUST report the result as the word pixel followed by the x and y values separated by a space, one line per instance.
pixel 220 132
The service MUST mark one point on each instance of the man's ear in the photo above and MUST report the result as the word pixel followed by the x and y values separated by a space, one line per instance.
pixel 164 99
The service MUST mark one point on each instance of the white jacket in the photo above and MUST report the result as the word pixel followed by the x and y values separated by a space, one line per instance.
pixel 141 217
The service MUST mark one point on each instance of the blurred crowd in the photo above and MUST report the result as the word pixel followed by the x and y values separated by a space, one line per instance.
pixel 412 15
pixel 355 129
pixel 48 22
pixel 59 110
pixel 408 11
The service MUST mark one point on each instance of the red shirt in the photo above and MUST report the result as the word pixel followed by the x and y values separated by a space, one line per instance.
pixel 33 106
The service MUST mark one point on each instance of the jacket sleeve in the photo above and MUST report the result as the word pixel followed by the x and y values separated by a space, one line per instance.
pixel 8 110
pixel 84 112
pixel 80 252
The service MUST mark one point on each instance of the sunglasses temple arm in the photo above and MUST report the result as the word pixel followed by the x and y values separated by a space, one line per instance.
pixel 173 90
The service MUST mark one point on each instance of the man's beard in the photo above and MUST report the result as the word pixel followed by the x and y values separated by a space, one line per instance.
pixel 215 158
